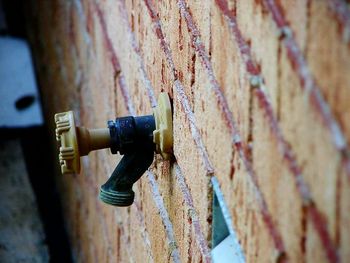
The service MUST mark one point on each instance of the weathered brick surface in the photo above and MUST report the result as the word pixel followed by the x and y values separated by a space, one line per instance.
pixel 260 93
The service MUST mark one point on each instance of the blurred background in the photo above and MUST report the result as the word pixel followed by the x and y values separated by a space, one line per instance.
pixel 31 223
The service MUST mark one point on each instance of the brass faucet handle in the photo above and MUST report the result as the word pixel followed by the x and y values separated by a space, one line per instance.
pixel 69 151
pixel 77 141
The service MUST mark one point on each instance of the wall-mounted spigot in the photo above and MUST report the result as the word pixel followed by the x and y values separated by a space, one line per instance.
pixel 134 137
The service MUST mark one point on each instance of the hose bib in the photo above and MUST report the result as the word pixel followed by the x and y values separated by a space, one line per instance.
pixel 137 138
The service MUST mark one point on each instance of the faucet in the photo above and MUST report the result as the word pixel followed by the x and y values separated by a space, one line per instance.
pixel 136 138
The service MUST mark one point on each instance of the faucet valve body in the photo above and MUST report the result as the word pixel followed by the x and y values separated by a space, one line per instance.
pixel 133 137
pixel 128 133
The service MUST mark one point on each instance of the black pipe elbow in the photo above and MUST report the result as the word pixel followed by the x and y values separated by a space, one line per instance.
pixel 133 138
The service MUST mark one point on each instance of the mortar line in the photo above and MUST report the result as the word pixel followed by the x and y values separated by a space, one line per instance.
pixel 144 232
pixel 114 60
pixel 342 15
pixel 134 45
pixel 200 239
pixel 286 150
pixel 158 200
pixel 79 7
pixel 193 127
pixel 112 54
pixel 309 85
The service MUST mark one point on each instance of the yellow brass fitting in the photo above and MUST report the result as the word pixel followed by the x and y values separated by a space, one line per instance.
pixel 77 141
pixel 163 134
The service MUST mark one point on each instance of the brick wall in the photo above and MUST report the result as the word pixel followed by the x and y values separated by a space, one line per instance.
pixel 261 96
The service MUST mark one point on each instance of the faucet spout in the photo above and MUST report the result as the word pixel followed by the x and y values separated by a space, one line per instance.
pixel 133 137
pixel 117 190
